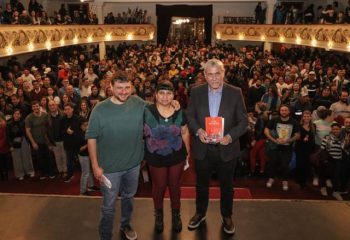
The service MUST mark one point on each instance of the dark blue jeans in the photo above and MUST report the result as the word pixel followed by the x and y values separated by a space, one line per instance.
pixel 125 183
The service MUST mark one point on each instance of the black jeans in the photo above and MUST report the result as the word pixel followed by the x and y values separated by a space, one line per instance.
pixel 4 158
pixel 345 172
pixel 278 162
pixel 45 161
pixel 225 172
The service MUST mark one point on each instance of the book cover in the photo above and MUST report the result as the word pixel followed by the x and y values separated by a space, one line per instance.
pixel 214 126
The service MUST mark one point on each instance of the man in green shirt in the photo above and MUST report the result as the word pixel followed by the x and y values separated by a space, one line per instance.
pixel 116 150
pixel 36 131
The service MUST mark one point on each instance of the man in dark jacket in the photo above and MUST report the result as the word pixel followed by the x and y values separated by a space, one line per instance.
pixel 71 127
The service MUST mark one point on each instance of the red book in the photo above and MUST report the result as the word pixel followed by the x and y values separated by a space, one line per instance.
pixel 214 126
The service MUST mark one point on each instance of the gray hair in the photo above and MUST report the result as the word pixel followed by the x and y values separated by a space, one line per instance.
pixel 214 63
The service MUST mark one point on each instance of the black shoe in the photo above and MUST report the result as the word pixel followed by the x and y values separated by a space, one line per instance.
pixel 93 189
pixel 195 221
pixel 158 224
pixel 176 220
pixel 228 225
pixel 68 179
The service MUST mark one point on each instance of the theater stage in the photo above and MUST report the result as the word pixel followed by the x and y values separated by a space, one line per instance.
pixel 35 217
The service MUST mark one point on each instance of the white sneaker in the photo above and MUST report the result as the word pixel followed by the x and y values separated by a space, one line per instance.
pixel 270 182
pixel 285 185
pixel 337 196
pixel 329 183
pixel 315 181
pixel 323 191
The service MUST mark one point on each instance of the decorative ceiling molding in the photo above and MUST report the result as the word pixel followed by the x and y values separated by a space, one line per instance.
pixel 330 37
pixel 24 39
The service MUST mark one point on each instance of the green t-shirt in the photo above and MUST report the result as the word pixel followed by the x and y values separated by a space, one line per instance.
pixel 37 125
pixel 118 130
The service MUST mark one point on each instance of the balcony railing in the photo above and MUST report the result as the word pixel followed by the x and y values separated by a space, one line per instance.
pixel 23 39
pixel 331 37
pixel 20 39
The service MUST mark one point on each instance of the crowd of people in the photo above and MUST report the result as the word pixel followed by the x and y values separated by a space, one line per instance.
pixel 135 16
pixel 46 103
pixel 35 14
pixel 16 13
pixel 331 14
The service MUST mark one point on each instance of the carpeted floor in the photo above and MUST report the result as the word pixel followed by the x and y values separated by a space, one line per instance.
pixel 245 188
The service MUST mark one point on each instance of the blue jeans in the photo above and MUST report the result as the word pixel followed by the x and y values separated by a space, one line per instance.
pixel 126 183
pixel 86 179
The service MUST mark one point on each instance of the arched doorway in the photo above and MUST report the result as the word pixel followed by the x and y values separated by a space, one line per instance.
pixel 165 15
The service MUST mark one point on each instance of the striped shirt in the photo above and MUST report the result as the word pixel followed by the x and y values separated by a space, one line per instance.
pixel 333 146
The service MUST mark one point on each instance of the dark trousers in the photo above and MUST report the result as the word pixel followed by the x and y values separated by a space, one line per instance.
pixel 329 170
pixel 163 177
pixel 303 166
pixel 344 173
pixel 278 162
pixel 72 155
pixel 44 160
pixel 4 158
pixel 225 171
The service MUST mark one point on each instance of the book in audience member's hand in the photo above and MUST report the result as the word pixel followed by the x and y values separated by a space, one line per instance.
pixel 105 181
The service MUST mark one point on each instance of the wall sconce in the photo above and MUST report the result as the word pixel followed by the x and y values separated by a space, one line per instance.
pixel 330 44
pixel 218 36
pixel 241 36
pixel 48 45
pixel 89 39
pixel 62 42
pixel 75 40
pixel 298 40
pixel 282 39
pixel 9 50
pixel 108 37
pixel 313 42
pixel 30 47
pixel 129 36
pixel 263 38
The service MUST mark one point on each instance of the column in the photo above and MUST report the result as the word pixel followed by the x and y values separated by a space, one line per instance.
pixel 97 7
pixel 270 4
pixel 102 50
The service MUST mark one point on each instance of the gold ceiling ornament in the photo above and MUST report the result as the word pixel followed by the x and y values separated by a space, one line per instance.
pixel 19 39
pixel 336 36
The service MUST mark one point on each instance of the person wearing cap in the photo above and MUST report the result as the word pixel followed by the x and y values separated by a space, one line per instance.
pixel 113 157
pixel 301 104
pixel 167 148
pixel 312 84
pixel 216 99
